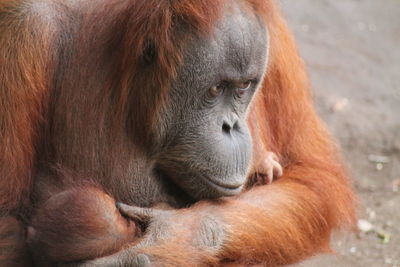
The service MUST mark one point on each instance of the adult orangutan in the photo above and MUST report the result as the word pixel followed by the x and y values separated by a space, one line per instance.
pixel 153 101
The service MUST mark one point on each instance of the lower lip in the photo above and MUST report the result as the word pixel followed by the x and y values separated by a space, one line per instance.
pixel 227 190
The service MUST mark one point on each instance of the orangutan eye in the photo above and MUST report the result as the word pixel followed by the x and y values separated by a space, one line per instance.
pixel 243 87
pixel 216 90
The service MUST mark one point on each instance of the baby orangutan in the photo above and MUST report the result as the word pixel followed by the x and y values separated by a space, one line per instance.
pixel 98 228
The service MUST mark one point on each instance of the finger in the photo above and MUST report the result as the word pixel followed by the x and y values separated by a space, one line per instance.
pixel 274 156
pixel 141 260
pixel 278 170
pixel 270 175
pixel 127 257
pixel 116 260
pixel 106 261
pixel 136 213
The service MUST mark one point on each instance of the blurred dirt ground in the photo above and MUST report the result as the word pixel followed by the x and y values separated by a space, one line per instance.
pixel 352 52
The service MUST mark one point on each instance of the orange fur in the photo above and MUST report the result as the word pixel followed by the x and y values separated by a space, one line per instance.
pixel 25 57
pixel 276 224
pixel 293 218
pixel 90 224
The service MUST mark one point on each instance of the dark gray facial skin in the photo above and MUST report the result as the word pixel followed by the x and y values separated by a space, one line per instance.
pixel 208 144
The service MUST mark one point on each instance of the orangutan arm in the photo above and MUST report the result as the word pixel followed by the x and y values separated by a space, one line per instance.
pixel 275 224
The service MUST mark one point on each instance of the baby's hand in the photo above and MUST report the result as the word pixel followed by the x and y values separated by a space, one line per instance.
pixel 269 169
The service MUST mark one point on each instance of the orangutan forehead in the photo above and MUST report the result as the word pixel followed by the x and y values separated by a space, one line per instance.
pixel 151 36
pixel 236 48
pixel 242 37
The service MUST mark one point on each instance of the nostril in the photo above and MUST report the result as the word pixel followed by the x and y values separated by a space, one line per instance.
pixel 226 128
pixel 236 126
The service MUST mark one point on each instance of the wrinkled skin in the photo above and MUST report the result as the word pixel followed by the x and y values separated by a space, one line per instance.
pixel 206 141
